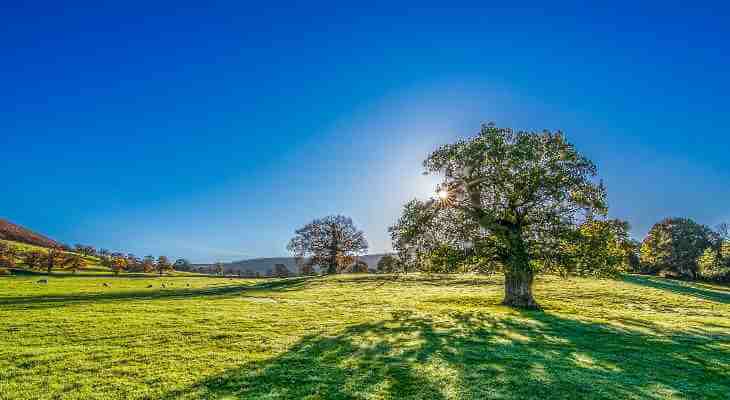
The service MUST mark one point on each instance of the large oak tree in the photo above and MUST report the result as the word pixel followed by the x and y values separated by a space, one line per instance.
pixel 528 190
pixel 330 242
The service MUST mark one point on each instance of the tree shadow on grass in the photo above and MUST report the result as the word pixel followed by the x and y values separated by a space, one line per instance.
pixel 477 356
pixel 53 300
pixel 680 287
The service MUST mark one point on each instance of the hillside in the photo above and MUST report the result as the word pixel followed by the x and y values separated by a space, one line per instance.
pixel 361 337
pixel 17 233
pixel 262 265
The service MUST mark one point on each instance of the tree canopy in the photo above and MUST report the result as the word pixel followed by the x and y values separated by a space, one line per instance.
pixel 674 246
pixel 330 242
pixel 527 190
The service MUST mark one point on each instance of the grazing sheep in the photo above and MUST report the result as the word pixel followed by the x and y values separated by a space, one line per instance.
pixel 106 285
pixel 43 281
pixel 163 286
pixel 149 286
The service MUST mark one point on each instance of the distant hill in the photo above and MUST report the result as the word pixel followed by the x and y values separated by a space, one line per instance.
pixel 17 233
pixel 262 265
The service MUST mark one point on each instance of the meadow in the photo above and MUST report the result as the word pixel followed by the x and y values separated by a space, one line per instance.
pixel 361 337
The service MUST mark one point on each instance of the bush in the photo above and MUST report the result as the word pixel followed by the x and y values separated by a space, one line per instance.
pixel 4 271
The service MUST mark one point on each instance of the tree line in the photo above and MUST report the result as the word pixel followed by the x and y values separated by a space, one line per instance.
pixel 81 256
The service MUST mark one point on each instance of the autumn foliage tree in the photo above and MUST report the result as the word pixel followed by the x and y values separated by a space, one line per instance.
pixel 162 265
pixel 331 242
pixel 75 262
pixel 527 190
pixel 118 263
pixel 54 258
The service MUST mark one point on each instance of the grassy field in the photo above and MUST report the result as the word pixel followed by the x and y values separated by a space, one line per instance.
pixel 362 337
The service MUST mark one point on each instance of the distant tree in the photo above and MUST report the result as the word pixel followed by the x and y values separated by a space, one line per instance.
pixel 4 249
pixel 33 259
pixel 218 268
pixel 249 274
pixel 674 245
pixel 54 258
pixel 134 264
pixel 84 250
pixel 358 267
pixel 527 190
pixel 118 264
pixel 103 252
pixel 306 268
pixel 388 264
pixel 182 264
pixel 148 264
pixel 330 242
pixel 163 265
pixel 75 262
pixel 281 271
pixel 714 263
pixel 7 256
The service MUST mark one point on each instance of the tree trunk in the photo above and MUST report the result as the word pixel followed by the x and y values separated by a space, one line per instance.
pixel 518 290
pixel 518 276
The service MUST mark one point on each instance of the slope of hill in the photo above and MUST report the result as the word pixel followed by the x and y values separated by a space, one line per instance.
pixel 17 233
pixel 262 265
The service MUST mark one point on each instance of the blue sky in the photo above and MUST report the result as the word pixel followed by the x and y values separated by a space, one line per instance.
pixel 213 132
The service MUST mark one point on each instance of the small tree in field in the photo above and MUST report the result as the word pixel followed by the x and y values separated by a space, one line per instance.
pixel 162 265
pixel 218 268
pixel 118 264
pixel 331 242
pixel 148 264
pixel 53 259
pixel 526 190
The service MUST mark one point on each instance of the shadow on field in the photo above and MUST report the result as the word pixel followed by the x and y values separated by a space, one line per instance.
pixel 680 287
pixel 476 356
pixel 35 302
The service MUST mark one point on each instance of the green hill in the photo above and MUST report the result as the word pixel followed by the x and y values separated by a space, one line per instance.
pixel 361 337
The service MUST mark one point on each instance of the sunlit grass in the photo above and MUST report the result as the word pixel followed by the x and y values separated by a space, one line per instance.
pixel 366 337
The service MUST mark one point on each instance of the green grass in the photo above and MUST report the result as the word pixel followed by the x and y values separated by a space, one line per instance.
pixel 362 337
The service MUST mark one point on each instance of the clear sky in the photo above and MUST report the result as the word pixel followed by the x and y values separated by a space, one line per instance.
pixel 212 132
